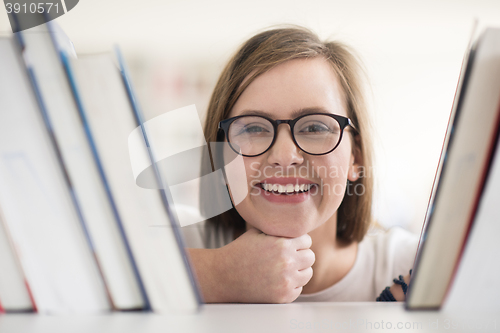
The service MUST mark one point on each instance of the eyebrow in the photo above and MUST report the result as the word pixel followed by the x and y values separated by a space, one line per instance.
pixel 295 114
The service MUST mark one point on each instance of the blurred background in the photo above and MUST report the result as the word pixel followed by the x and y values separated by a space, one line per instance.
pixel 412 52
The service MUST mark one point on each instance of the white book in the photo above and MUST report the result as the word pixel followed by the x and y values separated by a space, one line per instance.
pixel 111 120
pixel 14 293
pixel 462 176
pixel 74 146
pixel 476 282
pixel 37 203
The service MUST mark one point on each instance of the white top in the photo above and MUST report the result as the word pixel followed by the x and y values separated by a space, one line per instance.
pixel 381 257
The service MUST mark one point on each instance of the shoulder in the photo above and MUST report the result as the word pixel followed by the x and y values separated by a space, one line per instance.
pixel 391 239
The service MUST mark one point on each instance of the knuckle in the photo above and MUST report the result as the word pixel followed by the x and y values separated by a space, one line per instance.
pixel 287 264
pixel 281 246
pixel 286 284
pixel 283 243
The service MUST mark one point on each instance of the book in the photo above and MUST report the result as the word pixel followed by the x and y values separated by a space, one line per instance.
pixel 14 290
pixel 183 279
pixel 37 202
pixel 44 52
pixel 465 164
pixel 476 283
pixel 109 116
pixel 444 147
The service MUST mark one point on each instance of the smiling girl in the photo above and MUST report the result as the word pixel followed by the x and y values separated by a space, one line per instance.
pixel 293 107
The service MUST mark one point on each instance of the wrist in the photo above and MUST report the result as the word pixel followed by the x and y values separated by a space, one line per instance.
pixel 208 269
pixel 222 286
pixel 398 290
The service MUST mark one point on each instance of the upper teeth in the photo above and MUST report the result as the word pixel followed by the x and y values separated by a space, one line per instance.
pixel 289 188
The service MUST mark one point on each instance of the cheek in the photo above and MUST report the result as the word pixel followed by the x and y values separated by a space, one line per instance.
pixel 253 170
pixel 332 167
pixel 333 171
pixel 249 178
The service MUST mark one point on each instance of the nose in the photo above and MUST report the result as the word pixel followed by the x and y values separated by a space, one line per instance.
pixel 284 153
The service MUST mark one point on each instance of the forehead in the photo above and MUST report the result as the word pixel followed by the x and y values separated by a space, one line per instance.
pixel 291 87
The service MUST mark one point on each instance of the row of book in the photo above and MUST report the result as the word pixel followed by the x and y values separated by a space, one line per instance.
pixel 77 235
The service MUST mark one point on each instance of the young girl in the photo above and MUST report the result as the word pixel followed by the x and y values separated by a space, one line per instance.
pixel 293 107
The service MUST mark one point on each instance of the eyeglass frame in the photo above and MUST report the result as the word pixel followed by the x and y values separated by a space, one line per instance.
pixel 223 129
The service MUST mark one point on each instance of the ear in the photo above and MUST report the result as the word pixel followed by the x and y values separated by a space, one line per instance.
pixel 356 160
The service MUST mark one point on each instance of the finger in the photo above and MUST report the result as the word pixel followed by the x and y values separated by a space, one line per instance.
pixel 302 242
pixel 295 293
pixel 304 276
pixel 305 259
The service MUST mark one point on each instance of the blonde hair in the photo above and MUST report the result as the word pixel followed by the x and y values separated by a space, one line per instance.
pixel 272 48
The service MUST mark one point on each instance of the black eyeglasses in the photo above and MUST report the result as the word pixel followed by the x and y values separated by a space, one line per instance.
pixel 314 133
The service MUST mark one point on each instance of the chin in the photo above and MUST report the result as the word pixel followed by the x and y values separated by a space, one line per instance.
pixel 281 230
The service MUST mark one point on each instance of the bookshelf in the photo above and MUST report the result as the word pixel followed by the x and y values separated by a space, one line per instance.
pixel 295 317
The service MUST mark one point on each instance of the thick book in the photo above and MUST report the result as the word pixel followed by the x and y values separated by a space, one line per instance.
pixel 45 53
pixel 110 118
pixel 37 202
pixel 476 283
pixel 183 279
pixel 449 127
pixel 14 291
pixel 464 168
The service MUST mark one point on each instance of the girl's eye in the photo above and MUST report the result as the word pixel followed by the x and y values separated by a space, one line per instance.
pixel 253 129
pixel 315 128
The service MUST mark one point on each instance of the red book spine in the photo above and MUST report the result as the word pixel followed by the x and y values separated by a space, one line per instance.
pixel 1 308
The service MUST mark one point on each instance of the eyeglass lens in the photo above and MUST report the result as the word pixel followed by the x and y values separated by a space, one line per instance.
pixel 315 134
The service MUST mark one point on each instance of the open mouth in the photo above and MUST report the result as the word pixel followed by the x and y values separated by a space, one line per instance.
pixel 286 189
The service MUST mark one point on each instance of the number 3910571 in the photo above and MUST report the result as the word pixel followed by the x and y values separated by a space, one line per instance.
pixel 41 7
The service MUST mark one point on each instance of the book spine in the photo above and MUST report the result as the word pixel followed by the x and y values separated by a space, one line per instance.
pixel 97 159
pixel 164 192
pixel 64 171
pixel 51 134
